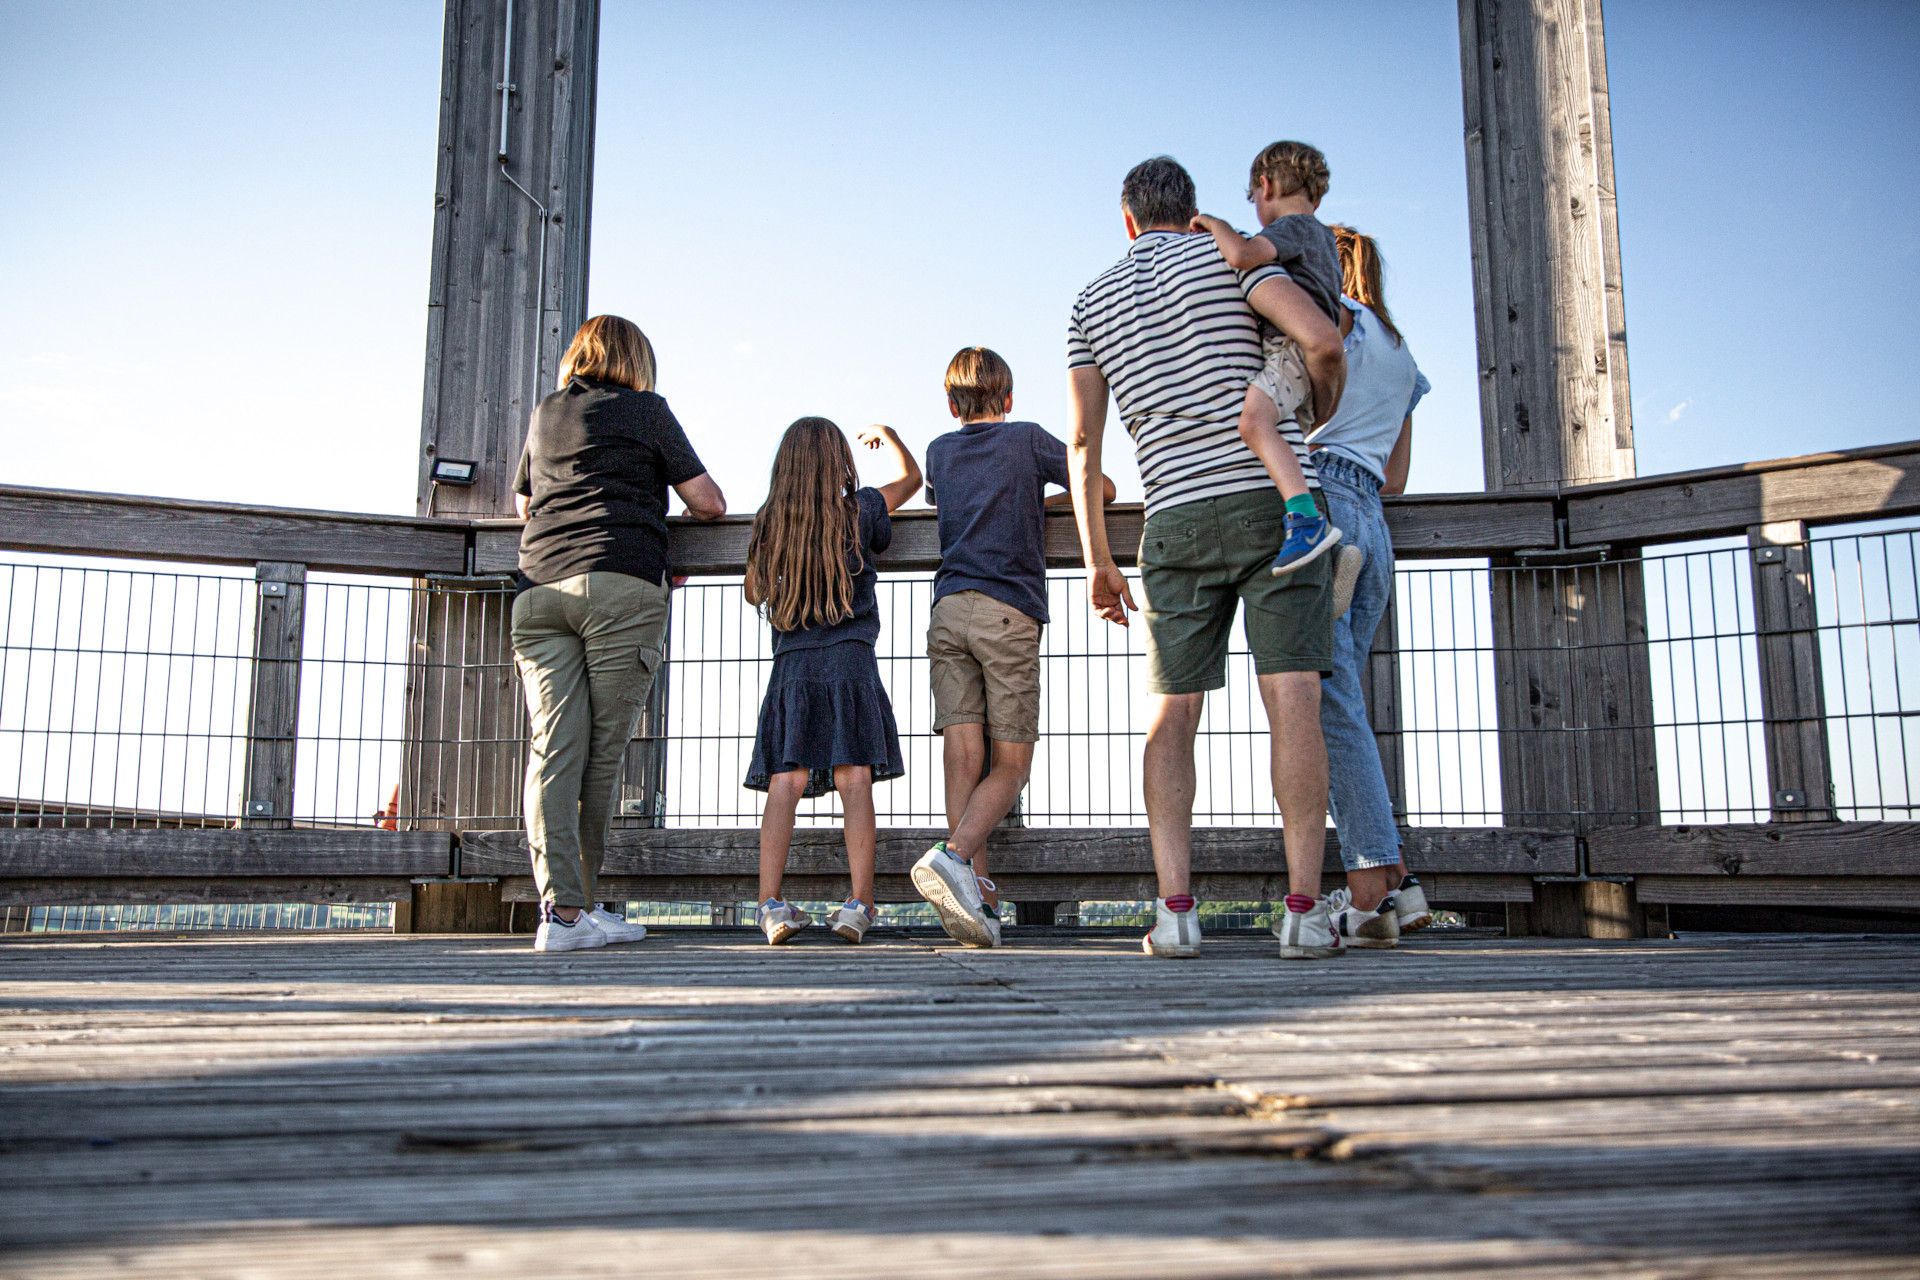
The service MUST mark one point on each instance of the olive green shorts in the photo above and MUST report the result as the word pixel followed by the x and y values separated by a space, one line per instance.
pixel 1198 562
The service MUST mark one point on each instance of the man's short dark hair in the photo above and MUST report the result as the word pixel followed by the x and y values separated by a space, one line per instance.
pixel 1159 193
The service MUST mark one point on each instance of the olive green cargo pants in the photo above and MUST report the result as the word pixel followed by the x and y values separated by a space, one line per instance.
pixel 587 648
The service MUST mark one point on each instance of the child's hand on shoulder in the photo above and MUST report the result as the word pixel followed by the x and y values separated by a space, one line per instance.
pixel 1208 223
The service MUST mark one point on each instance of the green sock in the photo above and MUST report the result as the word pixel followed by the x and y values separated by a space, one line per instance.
pixel 1304 505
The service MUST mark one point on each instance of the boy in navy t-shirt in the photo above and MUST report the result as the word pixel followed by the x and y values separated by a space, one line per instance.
pixel 988 480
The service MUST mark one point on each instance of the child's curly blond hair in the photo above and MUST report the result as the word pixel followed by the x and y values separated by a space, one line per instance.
pixel 1293 167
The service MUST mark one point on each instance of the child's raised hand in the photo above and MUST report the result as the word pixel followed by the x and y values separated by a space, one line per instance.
pixel 877 436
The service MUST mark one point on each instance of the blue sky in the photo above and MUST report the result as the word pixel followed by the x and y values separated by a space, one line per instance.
pixel 215 248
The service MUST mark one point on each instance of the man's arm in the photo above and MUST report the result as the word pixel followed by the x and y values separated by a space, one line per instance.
pixel 1286 306
pixel 1107 588
pixel 1241 253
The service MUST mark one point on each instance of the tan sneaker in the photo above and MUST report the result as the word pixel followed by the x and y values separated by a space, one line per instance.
pixel 1348 561
pixel 1410 906
pixel 781 920
pixel 852 920
pixel 1376 930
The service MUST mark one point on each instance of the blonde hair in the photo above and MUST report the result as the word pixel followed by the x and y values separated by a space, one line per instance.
pixel 978 383
pixel 797 570
pixel 609 349
pixel 1361 272
pixel 1291 166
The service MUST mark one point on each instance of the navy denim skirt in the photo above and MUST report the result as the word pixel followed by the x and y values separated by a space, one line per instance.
pixel 825 707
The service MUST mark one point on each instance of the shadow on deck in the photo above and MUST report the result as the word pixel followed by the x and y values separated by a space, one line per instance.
pixel 228 1106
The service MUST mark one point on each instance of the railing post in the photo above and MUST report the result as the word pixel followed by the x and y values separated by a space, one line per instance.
pixel 645 767
pixel 1792 694
pixel 1575 713
pixel 1383 705
pixel 279 624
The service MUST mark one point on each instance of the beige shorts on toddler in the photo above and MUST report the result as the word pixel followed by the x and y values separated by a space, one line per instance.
pixel 1283 379
pixel 986 666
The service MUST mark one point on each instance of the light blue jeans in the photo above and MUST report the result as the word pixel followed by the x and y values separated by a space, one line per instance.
pixel 1357 785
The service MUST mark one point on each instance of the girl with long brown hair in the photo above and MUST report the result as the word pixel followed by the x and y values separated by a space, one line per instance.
pixel 826 723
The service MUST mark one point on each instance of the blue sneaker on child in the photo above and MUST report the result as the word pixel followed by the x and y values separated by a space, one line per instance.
pixel 1308 538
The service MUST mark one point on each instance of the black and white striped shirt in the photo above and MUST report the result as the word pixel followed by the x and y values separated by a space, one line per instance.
pixel 1169 328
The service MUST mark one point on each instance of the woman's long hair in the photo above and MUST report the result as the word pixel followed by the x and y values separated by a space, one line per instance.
pixel 1361 268
pixel 797 557
pixel 610 349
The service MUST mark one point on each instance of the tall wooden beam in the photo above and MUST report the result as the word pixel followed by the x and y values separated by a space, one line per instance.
pixel 512 211
pixel 1548 306
pixel 512 206
pixel 1575 706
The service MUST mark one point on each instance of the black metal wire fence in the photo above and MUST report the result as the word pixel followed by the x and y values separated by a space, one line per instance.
pixel 124 698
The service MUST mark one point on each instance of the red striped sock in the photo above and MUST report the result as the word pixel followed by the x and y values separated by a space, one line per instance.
pixel 1180 902
pixel 1299 902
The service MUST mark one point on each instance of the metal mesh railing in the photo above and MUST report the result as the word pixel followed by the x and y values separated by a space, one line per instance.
pixel 125 699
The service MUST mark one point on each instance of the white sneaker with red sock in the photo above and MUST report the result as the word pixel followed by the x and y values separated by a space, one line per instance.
pixel 1176 929
pixel 1305 930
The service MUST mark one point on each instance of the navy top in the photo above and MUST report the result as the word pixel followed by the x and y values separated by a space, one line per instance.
pixel 989 481
pixel 1305 249
pixel 598 462
pixel 863 624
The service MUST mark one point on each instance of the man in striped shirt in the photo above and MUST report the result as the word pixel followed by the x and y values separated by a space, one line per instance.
pixel 1171 331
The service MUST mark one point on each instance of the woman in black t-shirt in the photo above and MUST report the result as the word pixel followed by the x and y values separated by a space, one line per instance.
pixel 588 621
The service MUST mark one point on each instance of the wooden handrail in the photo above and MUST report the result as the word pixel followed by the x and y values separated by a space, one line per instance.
pixel 1826 488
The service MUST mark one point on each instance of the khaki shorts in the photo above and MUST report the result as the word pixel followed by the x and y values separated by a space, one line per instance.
pixel 986 666
pixel 1198 562
pixel 1283 379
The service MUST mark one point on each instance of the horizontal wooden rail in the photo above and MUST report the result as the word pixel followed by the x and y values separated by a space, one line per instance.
pixel 121 526
pixel 1823 488
pixel 1828 488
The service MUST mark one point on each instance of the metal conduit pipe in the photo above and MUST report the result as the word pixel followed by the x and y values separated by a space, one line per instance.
pixel 506 87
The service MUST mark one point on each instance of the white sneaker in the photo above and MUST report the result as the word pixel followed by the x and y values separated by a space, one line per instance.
pixel 993 920
pixel 555 934
pixel 1348 561
pixel 1308 935
pixel 1410 905
pixel 1376 930
pixel 781 920
pixel 948 882
pixel 617 928
pixel 1175 935
pixel 853 919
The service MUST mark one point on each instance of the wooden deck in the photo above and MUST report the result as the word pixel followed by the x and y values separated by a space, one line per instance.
pixel 337 1106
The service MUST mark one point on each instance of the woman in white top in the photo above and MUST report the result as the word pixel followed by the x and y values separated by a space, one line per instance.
pixel 1362 453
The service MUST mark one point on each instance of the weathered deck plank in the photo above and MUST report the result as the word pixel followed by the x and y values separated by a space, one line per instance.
pixel 304 1106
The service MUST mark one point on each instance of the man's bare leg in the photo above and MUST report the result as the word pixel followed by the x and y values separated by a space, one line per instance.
pixel 1169 784
pixel 1292 700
